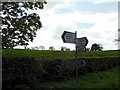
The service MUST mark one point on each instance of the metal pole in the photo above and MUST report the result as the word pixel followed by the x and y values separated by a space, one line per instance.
pixel 76 44
pixel 76 69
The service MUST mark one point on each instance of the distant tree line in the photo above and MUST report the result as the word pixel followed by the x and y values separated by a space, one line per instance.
pixel 65 49
pixel 41 48
pixel 94 47
pixel 38 48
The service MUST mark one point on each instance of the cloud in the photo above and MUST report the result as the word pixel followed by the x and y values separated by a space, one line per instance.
pixel 59 30
pixel 97 27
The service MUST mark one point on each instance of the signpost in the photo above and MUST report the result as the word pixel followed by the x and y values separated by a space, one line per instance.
pixel 73 64
pixel 68 37
pixel 80 43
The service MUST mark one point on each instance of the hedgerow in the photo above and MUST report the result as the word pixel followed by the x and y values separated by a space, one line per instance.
pixel 20 72
pixel 27 72
pixel 58 69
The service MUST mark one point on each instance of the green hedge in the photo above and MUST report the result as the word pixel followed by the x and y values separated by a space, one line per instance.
pixel 27 72
pixel 57 71
pixel 19 72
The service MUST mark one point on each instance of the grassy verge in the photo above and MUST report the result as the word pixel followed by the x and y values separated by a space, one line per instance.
pixel 105 79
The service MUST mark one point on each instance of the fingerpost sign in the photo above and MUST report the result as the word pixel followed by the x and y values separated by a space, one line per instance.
pixel 80 45
pixel 68 37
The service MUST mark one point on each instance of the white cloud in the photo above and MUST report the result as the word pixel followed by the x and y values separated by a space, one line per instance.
pixel 104 31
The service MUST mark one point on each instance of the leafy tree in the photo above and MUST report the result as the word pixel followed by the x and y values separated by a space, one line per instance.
pixel 42 47
pixel 51 48
pixel 63 48
pixel 87 49
pixel 32 48
pixel 96 47
pixel 67 49
pixel 36 48
pixel 18 26
pixel 118 39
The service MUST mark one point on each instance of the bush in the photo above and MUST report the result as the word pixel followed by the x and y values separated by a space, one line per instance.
pixel 19 72
pixel 27 72
pixel 57 70
pixel 54 70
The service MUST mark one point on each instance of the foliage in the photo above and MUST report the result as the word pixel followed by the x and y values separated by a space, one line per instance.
pixel 51 48
pixel 42 47
pixel 57 70
pixel 18 26
pixel 118 39
pixel 97 80
pixel 63 48
pixel 20 72
pixel 96 47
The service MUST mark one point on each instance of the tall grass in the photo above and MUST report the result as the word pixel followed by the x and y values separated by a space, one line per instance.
pixel 105 79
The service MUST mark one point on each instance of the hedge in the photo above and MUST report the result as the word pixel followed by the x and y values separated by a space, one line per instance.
pixel 27 72
pixel 58 70
pixel 19 72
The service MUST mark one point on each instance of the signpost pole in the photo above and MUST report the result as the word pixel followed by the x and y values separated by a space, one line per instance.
pixel 76 44
pixel 76 69
pixel 80 43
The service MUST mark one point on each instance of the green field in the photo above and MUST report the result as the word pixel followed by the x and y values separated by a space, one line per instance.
pixel 58 54
pixel 104 79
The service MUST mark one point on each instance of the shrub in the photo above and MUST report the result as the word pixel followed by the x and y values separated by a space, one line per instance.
pixel 28 72
pixel 19 72
pixel 57 70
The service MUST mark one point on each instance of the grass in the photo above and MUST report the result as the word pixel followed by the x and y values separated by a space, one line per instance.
pixel 57 54
pixel 104 79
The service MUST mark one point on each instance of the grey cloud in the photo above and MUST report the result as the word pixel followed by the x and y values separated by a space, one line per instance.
pixel 58 32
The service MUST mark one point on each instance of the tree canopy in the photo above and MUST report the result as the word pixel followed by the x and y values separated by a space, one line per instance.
pixel 18 26
pixel 118 39
pixel 51 48
pixel 96 47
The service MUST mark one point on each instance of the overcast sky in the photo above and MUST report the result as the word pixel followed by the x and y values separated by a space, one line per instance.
pixel 95 19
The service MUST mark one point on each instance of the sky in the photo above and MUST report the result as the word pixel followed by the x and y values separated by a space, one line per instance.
pixel 95 19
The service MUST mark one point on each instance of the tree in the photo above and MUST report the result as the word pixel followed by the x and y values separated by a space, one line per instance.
pixel 63 48
pixel 67 49
pixel 118 39
pixel 96 47
pixel 87 49
pixel 51 48
pixel 42 47
pixel 18 26
pixel 36 48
